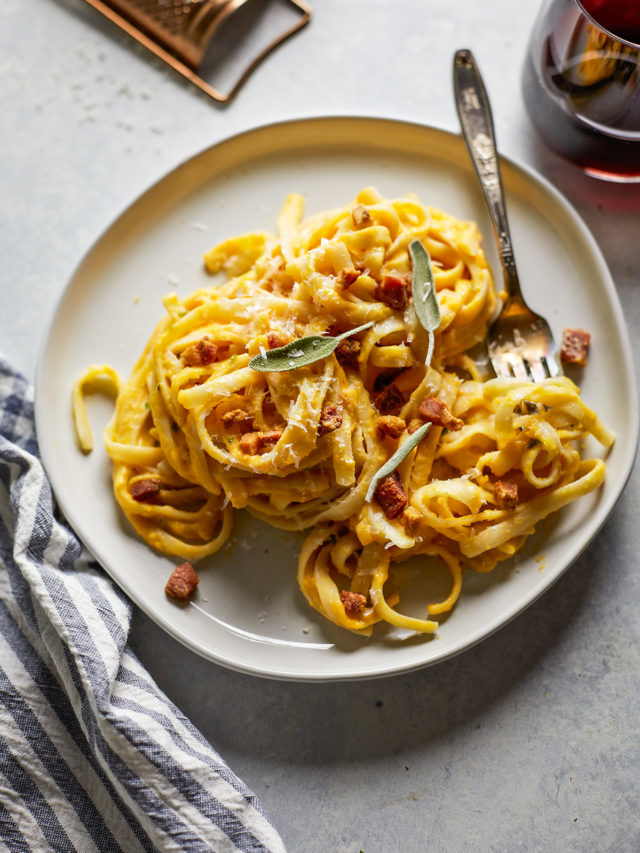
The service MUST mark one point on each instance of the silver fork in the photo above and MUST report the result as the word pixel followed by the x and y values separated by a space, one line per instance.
pixel 519 342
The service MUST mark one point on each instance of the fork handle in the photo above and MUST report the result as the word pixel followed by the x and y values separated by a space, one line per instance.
pixel 476 121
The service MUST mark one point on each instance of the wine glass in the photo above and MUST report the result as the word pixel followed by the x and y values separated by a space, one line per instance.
pixel 581 84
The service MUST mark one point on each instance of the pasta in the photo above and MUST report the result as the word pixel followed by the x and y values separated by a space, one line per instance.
pixel 199 431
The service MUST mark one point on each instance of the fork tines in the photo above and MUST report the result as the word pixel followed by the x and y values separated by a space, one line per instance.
pixel 508 365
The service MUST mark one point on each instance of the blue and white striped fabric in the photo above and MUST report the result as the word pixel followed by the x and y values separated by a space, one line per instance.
pixel 93 757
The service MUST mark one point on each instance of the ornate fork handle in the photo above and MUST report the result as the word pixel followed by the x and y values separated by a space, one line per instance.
pixel 474 112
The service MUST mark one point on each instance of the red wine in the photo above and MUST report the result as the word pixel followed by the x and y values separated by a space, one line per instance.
pixel 620 17
pixel 582 87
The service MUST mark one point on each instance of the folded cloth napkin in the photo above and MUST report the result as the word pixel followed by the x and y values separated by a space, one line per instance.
pixel 93 756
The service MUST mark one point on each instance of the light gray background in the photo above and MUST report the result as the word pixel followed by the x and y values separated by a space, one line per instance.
pixel 530 740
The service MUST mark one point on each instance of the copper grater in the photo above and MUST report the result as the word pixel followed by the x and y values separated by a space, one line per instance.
pixel 180 31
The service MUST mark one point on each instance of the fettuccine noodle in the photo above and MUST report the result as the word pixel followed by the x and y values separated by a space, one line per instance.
pixel 198 433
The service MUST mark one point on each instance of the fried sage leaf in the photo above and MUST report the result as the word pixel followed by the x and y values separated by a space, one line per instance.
pixel 399 456
pixel 302 352
pixel 425 301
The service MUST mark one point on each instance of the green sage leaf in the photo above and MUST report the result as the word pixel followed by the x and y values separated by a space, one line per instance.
pixel 423 287
pixel 399 456
pixel 425 301
pixel 301 352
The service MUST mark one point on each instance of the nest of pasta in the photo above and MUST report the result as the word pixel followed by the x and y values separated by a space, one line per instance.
pixel 198 431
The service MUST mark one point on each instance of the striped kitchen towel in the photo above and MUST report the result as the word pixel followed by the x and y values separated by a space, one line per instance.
pixel 93 756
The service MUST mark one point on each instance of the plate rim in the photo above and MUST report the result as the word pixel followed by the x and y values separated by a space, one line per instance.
pixel 467 642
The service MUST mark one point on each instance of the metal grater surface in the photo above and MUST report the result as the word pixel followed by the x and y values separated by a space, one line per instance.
pixel 180 31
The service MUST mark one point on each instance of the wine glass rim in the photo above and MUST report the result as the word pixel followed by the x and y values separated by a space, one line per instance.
pixel 604 29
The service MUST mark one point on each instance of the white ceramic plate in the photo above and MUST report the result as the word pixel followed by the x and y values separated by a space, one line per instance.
pixel 249 614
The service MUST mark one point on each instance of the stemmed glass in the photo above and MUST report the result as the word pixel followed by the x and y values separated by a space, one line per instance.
pixel 581 84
